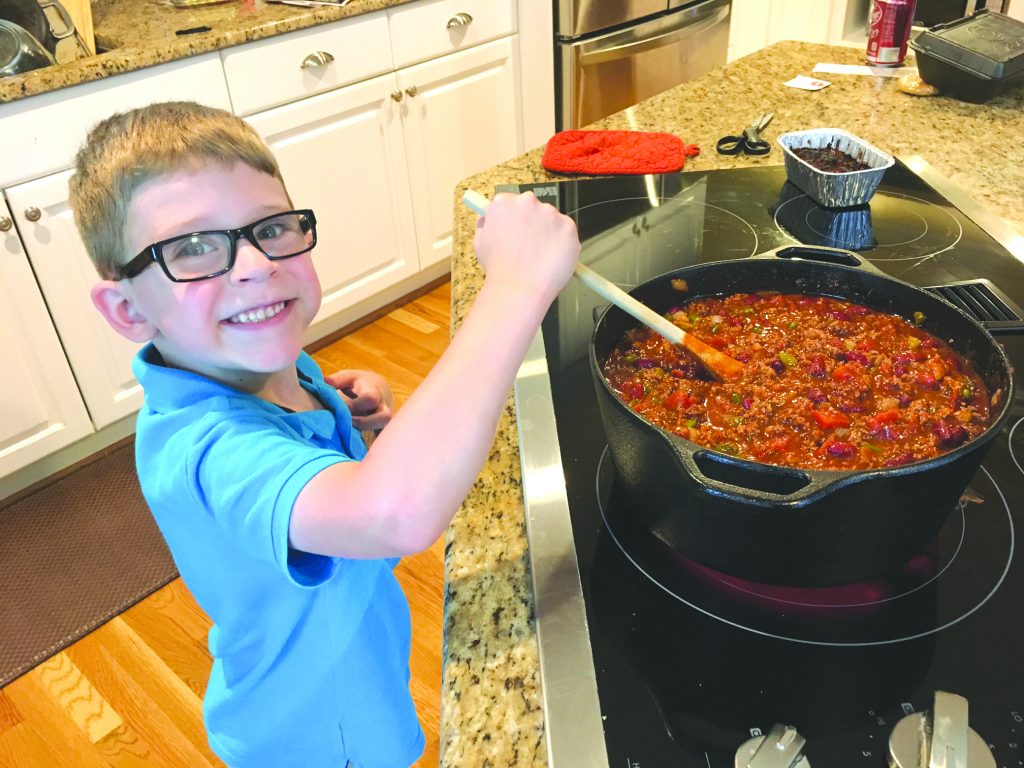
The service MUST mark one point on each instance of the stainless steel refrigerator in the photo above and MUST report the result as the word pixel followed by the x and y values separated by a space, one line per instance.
pixel 610 54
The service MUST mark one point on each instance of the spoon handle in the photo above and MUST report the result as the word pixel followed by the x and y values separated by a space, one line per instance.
pixel 720 364
pixel 606 288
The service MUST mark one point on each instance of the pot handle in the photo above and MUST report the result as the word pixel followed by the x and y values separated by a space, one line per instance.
pixel 820 253
pixel 766 484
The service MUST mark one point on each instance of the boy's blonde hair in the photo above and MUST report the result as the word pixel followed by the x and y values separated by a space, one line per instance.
pixel 129 148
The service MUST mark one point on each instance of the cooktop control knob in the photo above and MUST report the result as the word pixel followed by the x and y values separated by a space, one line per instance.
pixel 939 739
pixel 781 748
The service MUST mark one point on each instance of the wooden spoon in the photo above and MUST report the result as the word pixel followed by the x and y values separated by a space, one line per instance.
pixel 720 364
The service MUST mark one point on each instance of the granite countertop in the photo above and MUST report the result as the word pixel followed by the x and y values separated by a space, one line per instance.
pixel 491 701
pixel 140 33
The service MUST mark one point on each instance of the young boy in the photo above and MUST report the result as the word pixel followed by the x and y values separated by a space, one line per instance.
pixel 282 524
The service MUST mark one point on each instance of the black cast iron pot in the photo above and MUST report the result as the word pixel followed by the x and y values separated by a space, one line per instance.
pixel 782 525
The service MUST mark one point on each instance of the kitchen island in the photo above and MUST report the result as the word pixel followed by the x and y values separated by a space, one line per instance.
pixel 492 710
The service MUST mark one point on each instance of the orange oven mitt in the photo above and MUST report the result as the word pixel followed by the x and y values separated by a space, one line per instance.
pixel 616 152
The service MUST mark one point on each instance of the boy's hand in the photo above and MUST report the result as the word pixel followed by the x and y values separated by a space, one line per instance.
pixel 367 396
pixel 524 243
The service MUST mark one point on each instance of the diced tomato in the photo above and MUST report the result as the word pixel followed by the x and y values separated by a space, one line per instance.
pixel 883 417
pixel 867 344
pixel 844 372
pixel 830 419
pixel 679 400
pixel 633 389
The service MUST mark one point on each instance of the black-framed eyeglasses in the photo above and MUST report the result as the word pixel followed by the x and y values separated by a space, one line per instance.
pixel 201 255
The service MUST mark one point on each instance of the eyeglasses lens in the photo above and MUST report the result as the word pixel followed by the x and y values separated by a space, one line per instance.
pixel 208 253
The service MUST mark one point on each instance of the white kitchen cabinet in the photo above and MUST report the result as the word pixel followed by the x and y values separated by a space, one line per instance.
pixel 755 24
pixel 748 27
pixel 342 154
pixel 40 407
pixel 461 115
pixel 378 162
pixel 100 357
pixel 294 66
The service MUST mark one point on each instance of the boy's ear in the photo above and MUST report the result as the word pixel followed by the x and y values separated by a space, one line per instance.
pixel 119 310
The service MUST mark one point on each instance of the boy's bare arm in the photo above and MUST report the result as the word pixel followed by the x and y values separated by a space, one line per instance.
pixel 400 498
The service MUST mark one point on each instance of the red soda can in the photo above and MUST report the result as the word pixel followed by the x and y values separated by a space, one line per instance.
pixel 888 31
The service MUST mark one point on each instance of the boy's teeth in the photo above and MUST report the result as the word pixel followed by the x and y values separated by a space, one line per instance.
pixel 257 315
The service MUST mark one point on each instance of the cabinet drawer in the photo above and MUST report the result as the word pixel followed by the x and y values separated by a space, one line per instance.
pixel 280 69
pixel 41 134
pixel 421 31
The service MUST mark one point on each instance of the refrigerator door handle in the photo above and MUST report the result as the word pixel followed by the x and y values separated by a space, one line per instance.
pixel 627 43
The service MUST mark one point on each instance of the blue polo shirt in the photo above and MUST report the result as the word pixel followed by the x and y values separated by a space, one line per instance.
pixel 310 653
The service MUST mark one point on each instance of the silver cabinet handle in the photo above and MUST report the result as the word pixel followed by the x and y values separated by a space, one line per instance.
pixel 318 59
pixel 412 90
pixel 460 20
pixel 5 224
pixel 396 95
pixel 33 214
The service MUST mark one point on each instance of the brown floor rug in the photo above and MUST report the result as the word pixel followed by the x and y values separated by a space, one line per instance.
pixel 72 556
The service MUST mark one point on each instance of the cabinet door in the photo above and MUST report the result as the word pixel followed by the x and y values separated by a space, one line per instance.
pixel 462 115
pixel 805 20
pixel 748 27
pixel 100 357
pixel 40 407
pixel 341 154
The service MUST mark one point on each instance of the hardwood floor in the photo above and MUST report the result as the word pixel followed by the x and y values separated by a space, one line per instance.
pixel 129 695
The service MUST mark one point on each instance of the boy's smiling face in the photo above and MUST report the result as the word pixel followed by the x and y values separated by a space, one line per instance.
pixel 195 325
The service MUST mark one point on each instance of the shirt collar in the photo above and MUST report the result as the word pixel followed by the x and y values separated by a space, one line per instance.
pixel 168 389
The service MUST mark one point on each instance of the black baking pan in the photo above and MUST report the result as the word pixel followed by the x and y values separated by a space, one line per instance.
pixel 973 58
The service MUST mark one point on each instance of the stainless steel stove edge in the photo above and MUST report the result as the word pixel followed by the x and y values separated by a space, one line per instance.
pixel 573 728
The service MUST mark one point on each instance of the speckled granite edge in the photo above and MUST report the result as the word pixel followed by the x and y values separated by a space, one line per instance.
pixel 142 33
pixel 491 694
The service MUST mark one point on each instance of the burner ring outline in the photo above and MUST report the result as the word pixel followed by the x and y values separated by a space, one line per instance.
pixel 804 641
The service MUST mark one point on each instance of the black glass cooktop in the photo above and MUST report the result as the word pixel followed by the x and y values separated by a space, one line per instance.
pixel 691 663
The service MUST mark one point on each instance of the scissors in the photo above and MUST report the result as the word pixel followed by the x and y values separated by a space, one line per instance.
pixel 750 142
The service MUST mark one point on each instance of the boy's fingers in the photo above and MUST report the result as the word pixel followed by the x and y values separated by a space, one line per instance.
pixel 371 421
pixel 364 404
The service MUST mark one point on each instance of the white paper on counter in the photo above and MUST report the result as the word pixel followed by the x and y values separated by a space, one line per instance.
pixel 807 83
pixel 863 69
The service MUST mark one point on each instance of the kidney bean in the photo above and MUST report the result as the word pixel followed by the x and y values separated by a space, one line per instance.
pixel 817 367
pixel 883 432
pixel 904 458
pixel 816 396
pixel 841 449
pixel 949 434
pixel 907 357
